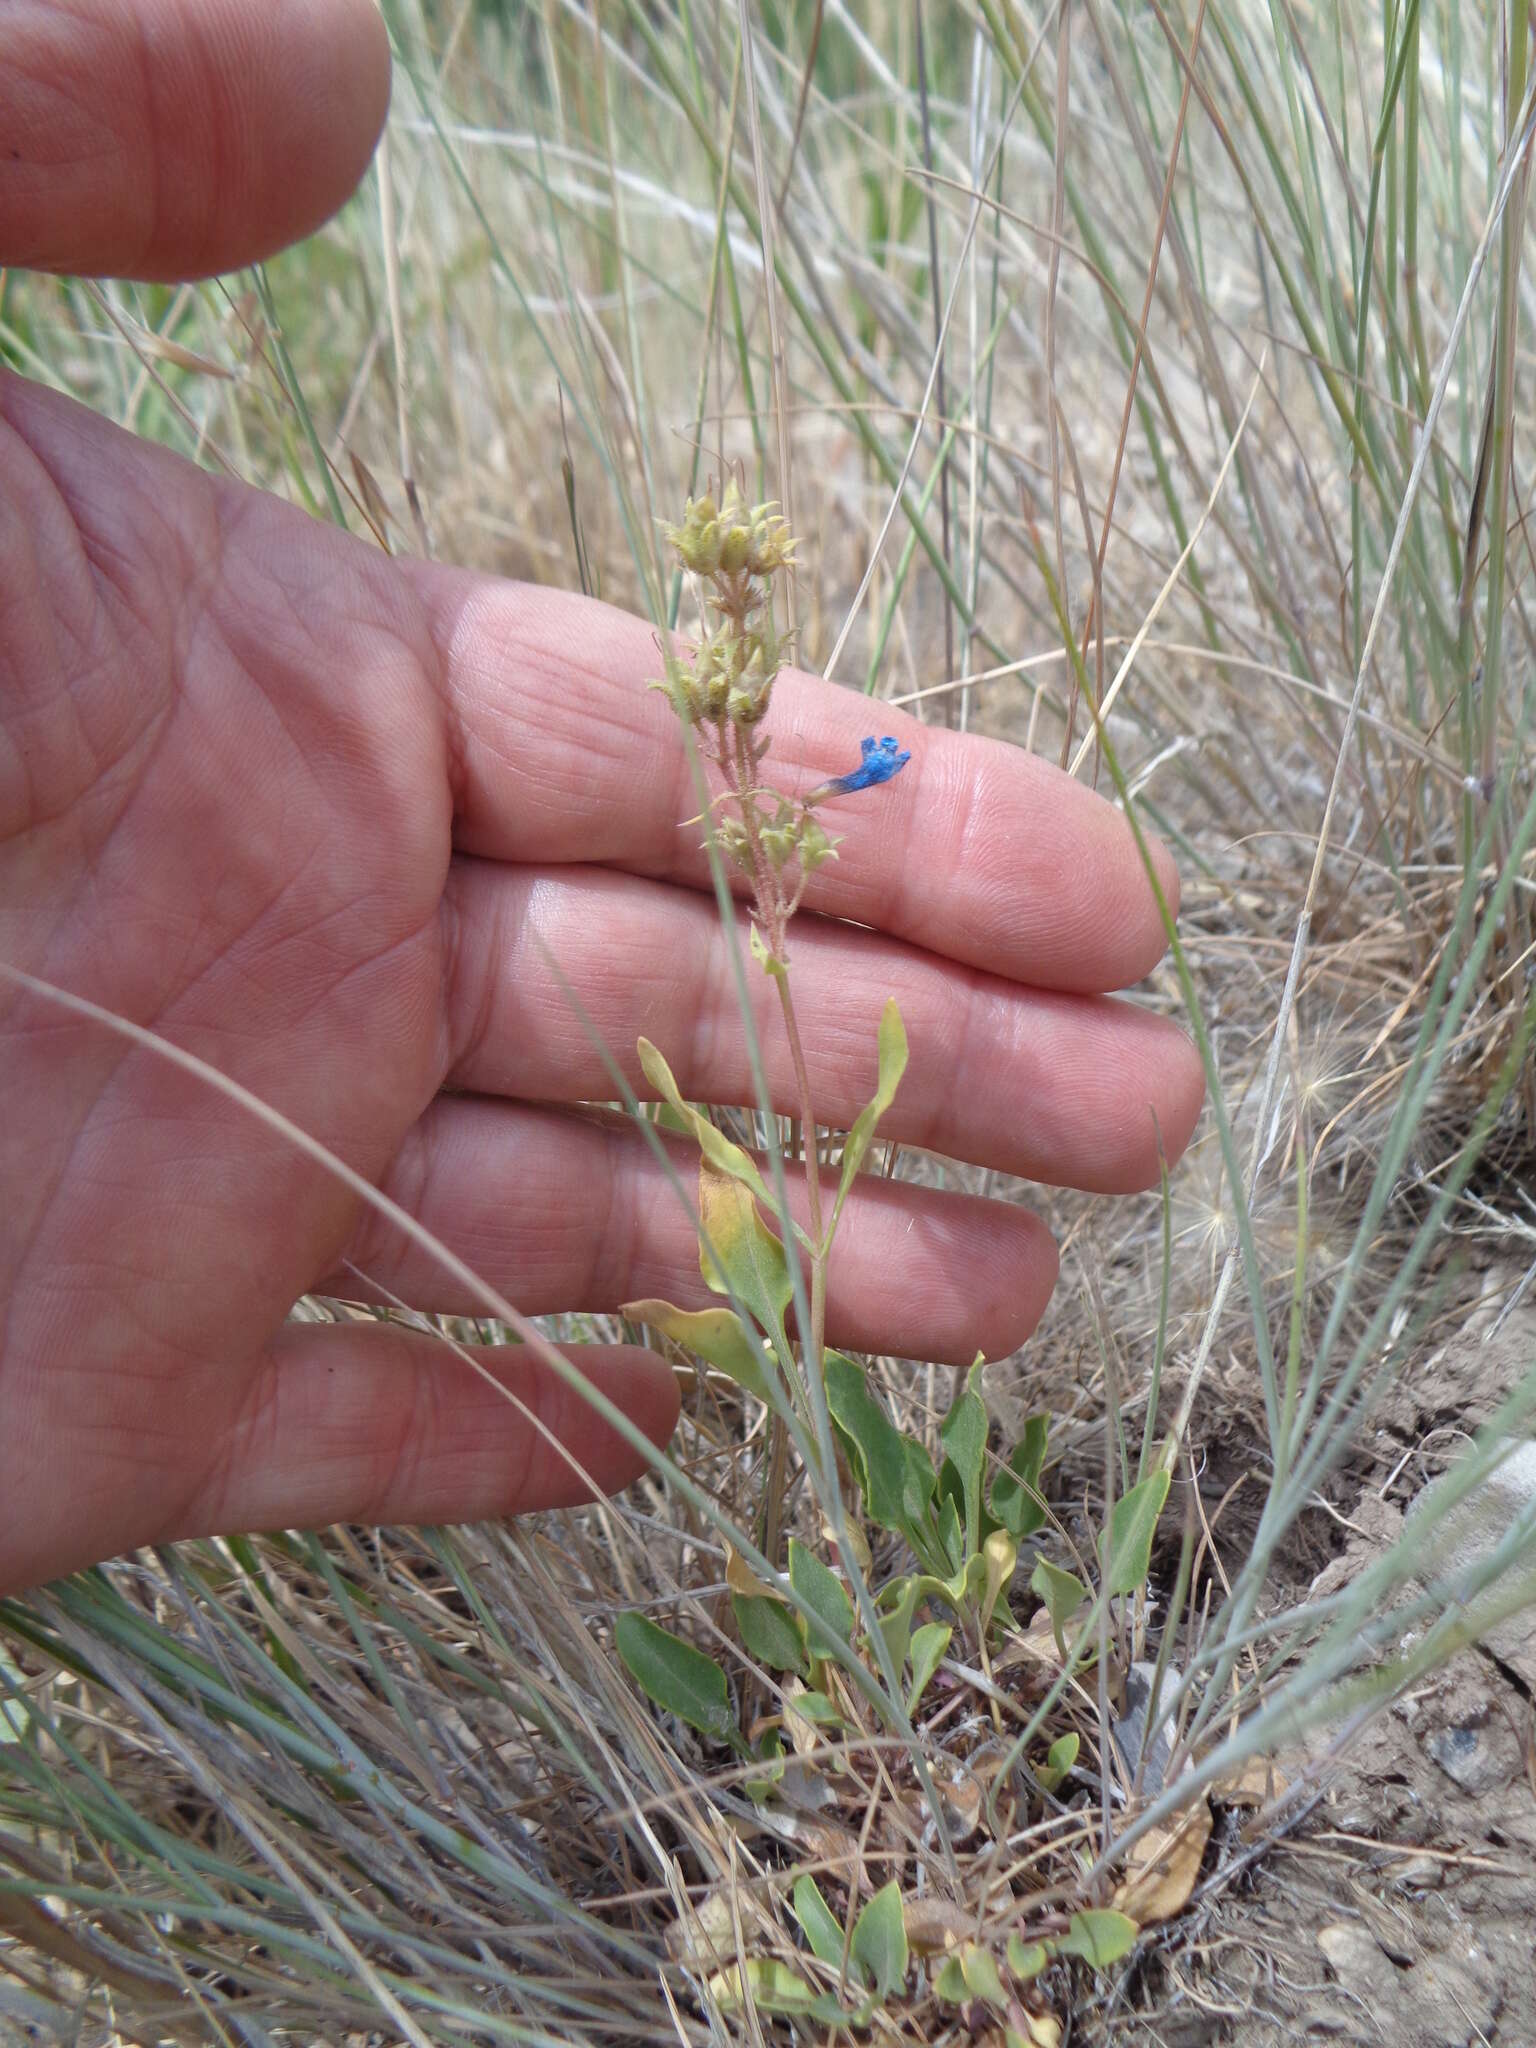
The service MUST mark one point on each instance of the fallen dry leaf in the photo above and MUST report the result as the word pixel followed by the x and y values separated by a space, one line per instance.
pixel 1256 1784
pixel 1161 1869
pixel 936 1925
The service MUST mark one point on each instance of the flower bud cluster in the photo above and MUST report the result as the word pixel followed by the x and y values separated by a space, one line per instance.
pixel 724 690
pixel 732 539
pixel 794 834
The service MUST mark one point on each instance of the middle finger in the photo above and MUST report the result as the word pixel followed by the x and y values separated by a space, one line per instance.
pixel 1064 1089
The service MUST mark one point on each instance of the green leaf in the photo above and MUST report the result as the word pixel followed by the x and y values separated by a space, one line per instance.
pixel 1127 1545
pixel 963 1433
pixel 774 1987
pixel 950 1984
pixel 951 1531
pixel 822 1592
pixel 713 1334
pixel 1099 1936
pixel 1062 1593
pixel 875 1445
pixel 891 1065
pixel 919 1483
pixel 1014 1490
pixel 1026 1959
pixel 928 1646
pixel 769 1757
pixel 758 947
pixel 820 1925
pixel 1059 1759
pixel 724 1156
pixel 815 1706
pixel 896 1621
pixel 679 1678
pixel 880 1940
pixel 752 1266
pixel 981 1974
pixel 768 1630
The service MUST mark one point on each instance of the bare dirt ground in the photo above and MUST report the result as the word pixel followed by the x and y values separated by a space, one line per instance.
pixel 1403 1909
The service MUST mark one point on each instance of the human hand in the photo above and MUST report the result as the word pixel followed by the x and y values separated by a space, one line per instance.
pixel 325 819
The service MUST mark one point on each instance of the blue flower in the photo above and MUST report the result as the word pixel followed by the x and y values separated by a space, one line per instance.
pixel 882 759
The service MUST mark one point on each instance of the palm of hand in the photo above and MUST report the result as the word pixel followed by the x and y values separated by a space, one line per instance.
pixel 320 818
pixel 354 831
pixel 226 817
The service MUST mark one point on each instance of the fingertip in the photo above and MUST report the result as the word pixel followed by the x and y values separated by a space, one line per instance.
pixel 641 1385
pixel 1186 1095
pixel 161 139
pixel 1175 1098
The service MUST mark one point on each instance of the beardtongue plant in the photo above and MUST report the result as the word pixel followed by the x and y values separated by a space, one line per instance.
pixel 958 1537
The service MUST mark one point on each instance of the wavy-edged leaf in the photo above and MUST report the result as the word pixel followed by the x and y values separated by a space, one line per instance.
pixel 721 1152
pixel 676 1676
pixel 713 1334
pixel 891 1065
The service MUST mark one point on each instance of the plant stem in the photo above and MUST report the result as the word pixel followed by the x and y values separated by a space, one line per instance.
pixel 773 914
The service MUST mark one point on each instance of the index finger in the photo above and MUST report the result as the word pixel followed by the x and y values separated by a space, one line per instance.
pixel 978 851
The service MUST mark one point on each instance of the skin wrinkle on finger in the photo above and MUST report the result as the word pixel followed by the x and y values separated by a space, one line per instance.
pixel 513 1189
pixel 1051 884
pixel 1054 1088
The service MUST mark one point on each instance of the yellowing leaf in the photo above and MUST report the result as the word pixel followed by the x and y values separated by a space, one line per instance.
pixel 713 1334
pixel 724 1156
pixel 1001 1554
pixel 772 1987
pixel 738 1254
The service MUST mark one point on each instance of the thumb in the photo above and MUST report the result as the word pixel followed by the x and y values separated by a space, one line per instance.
pixel 176 138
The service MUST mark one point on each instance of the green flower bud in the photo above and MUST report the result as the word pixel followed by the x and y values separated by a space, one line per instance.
pixel 732 836
pixel 815 844
pixel 778 842
pixel 771 546
pixel 697 541
pixel 735 546
pixel 681 686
